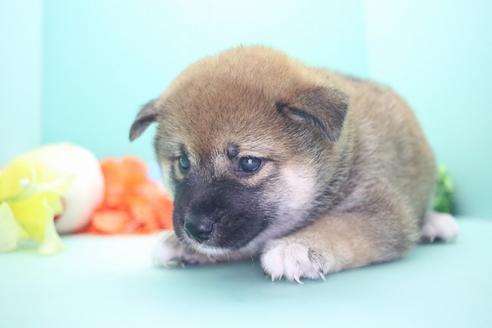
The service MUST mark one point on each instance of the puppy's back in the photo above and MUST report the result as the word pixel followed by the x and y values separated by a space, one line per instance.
pixel 388 141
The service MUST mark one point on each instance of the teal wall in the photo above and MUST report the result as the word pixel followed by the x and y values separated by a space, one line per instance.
pixel 20 76
pixel 438 55
pixel 105 58
pixel 102 59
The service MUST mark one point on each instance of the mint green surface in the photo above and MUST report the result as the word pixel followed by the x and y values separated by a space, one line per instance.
pixel 109 282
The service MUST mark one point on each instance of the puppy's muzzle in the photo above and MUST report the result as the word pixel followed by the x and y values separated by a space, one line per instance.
pixel 199 227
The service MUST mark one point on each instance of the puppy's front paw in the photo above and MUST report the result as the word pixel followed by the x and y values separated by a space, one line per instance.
pixel 294 260
pixel 169 251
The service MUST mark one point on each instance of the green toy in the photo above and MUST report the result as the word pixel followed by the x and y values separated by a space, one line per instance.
pixel 444 195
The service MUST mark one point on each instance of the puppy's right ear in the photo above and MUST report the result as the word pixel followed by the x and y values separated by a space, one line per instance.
pixel 145 117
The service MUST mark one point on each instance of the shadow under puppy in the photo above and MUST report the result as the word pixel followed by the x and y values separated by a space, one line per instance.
pixel 312 170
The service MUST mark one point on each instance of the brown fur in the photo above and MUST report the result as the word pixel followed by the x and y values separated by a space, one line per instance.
pixel 370 175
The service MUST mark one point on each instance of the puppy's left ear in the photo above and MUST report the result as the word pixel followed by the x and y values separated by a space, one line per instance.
pixel 145 117
pixel 320 108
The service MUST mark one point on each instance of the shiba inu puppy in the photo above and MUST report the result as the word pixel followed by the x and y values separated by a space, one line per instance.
pixel 311 170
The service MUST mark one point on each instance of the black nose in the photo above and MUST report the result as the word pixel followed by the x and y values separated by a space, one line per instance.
pixel 198 229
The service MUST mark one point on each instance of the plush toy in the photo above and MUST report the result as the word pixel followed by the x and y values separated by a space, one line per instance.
pixel 59 183
pixel 87 188
pixel 30 198
pixel 132 203
pixel 444 196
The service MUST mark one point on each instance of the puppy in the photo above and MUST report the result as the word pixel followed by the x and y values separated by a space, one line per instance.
pixel 311 170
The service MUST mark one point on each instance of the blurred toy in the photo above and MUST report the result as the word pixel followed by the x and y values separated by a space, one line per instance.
pixel 57 185
pixel 87 188
pixel 132 202
pixel 30 198
pixel 444 196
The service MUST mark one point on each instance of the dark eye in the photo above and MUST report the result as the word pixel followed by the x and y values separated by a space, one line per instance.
pixel 184 163
pixel 249 164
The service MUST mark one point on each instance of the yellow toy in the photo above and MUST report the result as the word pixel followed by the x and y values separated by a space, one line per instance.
pixel 30 198
pixel 62 181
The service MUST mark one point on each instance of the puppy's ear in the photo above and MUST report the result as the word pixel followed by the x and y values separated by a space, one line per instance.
pixel 145 117
pixel 321 108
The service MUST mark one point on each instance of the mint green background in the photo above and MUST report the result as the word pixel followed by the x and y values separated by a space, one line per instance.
pixel 20 76
pixel 78 70
pixel 438 55
pixel 109 282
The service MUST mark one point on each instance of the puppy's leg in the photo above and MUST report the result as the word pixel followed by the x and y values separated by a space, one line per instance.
pixel 169 251
pixel 341 241
pixel 438 226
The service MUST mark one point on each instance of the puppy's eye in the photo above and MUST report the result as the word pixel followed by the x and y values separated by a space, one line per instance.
pixel 249 164
pixel 184 163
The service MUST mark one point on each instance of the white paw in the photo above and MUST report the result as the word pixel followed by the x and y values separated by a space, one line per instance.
pixel 294 261
pixel 439 226
pixel 169 251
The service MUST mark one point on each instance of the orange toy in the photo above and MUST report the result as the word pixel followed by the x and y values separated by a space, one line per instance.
pixel 132 202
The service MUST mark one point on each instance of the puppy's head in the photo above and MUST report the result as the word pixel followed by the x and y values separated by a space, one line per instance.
pixel 249 138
